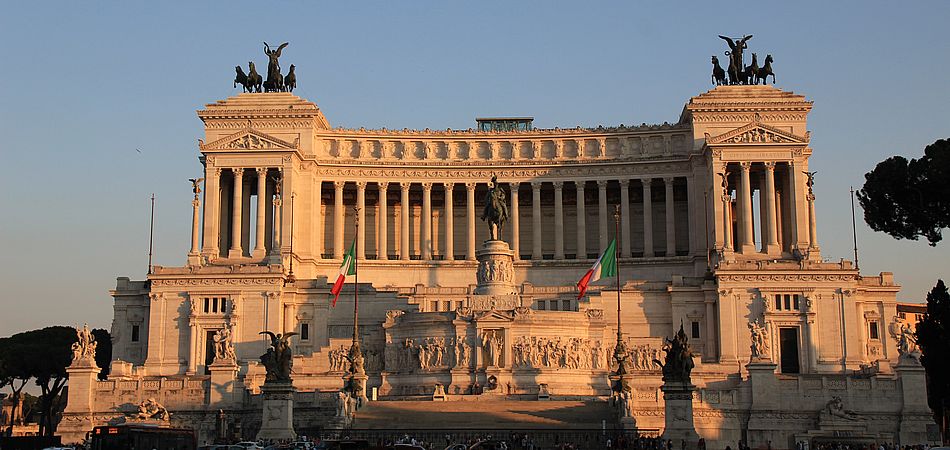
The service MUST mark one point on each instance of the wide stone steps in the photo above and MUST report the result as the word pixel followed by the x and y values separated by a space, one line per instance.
pixel 485 415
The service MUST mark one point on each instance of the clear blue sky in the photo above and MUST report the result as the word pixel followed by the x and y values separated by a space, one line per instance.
pixel 86 83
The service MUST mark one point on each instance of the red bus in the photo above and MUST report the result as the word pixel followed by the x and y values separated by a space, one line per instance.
pixel 142 437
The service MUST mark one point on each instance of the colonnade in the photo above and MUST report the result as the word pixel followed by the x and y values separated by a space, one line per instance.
pixel 227 219
pixel 425 234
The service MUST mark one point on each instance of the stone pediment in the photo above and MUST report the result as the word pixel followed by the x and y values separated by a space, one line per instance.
pixel 494 316
pixel 757 133
pixel 249 139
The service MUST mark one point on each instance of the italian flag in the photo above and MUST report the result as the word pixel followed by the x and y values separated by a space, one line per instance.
pixel 606 266
pixel 347 268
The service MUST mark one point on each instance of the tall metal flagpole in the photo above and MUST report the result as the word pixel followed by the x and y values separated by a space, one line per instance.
pixel 356 285
pixel 854 232
pixel 290 276
pixel 151 230
pixel 617 267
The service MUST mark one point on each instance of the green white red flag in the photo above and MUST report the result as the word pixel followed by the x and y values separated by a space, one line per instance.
pixel 606 266
pixel 347 268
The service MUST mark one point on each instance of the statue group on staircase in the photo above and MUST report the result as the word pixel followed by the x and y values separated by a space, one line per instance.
pixel 275 81
pixel 738 72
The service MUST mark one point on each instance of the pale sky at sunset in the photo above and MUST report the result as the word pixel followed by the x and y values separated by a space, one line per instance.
pixel 85 84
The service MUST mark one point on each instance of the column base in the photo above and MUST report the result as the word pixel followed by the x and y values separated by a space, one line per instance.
pixel 235 253
pixel 194 259
pixel 747 249
pixel 773 249
pixel 259 253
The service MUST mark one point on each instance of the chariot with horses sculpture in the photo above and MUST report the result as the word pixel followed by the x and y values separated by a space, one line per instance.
pixel 738 72
pixel 275 82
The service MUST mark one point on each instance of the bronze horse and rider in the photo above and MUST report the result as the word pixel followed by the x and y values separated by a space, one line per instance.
pixel 738 72
pixel 275 82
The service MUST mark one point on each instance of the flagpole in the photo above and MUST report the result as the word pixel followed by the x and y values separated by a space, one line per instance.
pixel 151 231
pixel 617 266
pixel 356 283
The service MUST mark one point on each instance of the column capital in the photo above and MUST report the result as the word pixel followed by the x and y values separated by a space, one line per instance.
pixel 469 185
pixel 536 185
pixel 238 171
pixel 339 184
pixel 215 171
pixel 382 185
pixel 558 184
pixel 448 186
pixel 646 181
pixel 668 180
pixel 427 186
pixel 602 184
pixel 769 165
pixel 261 171
pixel 745 166
pixel 361 185
pixel 404 185
pixel 514 185
pixel 624 183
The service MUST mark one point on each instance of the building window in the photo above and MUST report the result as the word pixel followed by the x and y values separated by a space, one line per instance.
pixel 778 302
pixel 305 332
pixel 795 303
pixel 566 305
pixel 458 305
pixel 447 305
pixel 135 333
pixel 695 330
pixel 215 305
pixel 540 305
pixel 433 306
pixel 787 302
pixel 553 305
pixel 207 305
pixel 872 330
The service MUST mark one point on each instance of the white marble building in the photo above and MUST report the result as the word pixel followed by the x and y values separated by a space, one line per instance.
pixel 717 230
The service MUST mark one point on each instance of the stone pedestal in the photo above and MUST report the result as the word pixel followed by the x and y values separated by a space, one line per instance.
pixel 915 413
pixel 224 384
pixel 765 397
pixel 78 415
pixel 277 421
pixel 678 397
pixel 495 269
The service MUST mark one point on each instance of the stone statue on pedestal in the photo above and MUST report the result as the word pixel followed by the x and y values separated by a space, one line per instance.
pixel 84 349
pixel 760 341
pixel 223 345
pixel 679 358
pixel 496 209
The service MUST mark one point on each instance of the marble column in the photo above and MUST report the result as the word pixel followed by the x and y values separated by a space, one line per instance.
pixel 581 220
pixel 338 219
pixel 559 220
pixel 212 211
pixel 426 221
pixel 726 210
pixel 709 346
pixel 812 221
pixel 536 222
pixel 290 322
pixel 515 220
pixel 747 245
pixel 361 219
pixel 670 219
pixel 647 218
pixel 238 200
pixel 602 213
pixel 404 221
pixel 192 341
pixel 449 222
pixel 625 218
pixel 316 216
pixel 470 217
pixel 770 243
pixel 382 244
pixel 259 250
pixel 193 257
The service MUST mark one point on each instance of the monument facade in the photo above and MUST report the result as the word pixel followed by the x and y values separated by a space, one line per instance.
pixel 718 233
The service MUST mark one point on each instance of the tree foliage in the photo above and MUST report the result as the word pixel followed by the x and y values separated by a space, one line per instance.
pixel 933 338
pixel 103 351
pixel 910 199
pixel 41 355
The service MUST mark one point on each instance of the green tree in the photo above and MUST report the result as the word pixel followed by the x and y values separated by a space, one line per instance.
pixel 42 355
pixel 933 338
pixel 12 375
pixel 910 199
pixel 103 351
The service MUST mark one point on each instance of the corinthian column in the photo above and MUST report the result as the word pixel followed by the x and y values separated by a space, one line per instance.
pixel 470 217
pixel 625 217
pixel 670 220
pixel 449 222
pixel 404 220
pixel 259 250
pixel 361 219
pixel 771 239
pixel 426 221
pixel 745 207
pixel 382 246
pixel 647 218
pixel 558 220
pixel 338 219
pixel 515 221
pixel 602 213
pixel 194 258
pixel 536 222
pixel 212 210
pixel 581 220
pixel 237 201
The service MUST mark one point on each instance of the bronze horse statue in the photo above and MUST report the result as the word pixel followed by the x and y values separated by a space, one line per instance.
pixel 254 79
pixel 765 71
pixel 290 81
pixel 240 78
pixel 718 75
pixel 751 71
